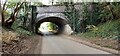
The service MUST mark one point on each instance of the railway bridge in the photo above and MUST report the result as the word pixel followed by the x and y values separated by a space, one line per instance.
pixel 54 14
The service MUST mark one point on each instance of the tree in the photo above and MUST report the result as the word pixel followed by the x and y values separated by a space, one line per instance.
pixel 0 13
pixel 16 6
pixel 13 15
pixel 73 15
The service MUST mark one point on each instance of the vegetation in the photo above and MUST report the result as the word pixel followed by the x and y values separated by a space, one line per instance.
pixel 14 17
pixel 52 26
pixel 73 15
pixel 8 21
pixel 103 19
pixel 108 30
pixel 7 36
pixel 14 30
pixel 100 23
pixel 99 20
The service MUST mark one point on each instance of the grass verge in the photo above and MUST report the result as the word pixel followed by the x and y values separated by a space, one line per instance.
pixel 107 35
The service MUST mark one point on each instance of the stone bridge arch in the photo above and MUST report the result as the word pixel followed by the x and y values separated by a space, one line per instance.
pixel 58 18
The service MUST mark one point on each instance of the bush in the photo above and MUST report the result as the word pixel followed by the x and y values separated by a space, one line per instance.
pixel 108 30
pixel 17 26
pixel 22 31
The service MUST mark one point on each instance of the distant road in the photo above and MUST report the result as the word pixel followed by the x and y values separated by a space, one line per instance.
pixel 58 45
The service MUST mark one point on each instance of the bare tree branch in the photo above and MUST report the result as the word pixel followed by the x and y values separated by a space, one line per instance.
pixel 3 10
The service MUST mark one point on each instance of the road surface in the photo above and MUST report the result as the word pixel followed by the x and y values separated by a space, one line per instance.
pixel 59 45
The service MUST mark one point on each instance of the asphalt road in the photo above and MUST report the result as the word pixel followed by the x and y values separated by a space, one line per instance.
pixel 59 45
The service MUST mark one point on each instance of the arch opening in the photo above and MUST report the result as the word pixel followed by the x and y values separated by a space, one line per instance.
pixel 48 28
pixel 58 22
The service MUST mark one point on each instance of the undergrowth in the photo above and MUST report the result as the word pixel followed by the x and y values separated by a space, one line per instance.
pixel 17 26
pixel 7 35
pixel 108 30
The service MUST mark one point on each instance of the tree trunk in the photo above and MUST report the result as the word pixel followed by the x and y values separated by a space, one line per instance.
pixel 9 22
pixel 113 17
pixel 2 12
pixel 12 18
